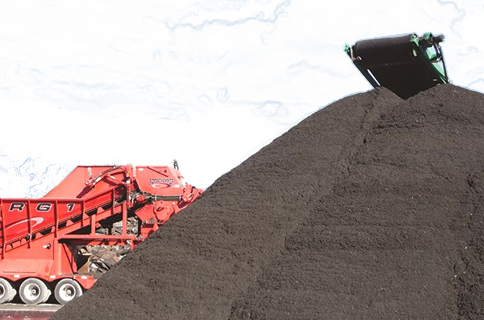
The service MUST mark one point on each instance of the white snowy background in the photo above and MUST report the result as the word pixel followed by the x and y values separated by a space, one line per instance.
pixel 208 83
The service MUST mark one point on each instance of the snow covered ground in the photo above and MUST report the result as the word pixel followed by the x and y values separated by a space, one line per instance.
pixel 205 82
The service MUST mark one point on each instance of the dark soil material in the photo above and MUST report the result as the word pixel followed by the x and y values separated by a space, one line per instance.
pixel 371 208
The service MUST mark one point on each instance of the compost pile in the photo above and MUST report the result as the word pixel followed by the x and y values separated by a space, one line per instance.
pixel 371 208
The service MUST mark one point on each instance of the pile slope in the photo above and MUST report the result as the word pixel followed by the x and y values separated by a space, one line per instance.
pixel 370 208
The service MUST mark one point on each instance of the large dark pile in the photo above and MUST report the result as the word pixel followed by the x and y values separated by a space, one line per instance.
pixel 372 208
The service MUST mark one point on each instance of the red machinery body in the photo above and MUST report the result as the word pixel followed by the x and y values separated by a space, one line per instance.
pixel 41 239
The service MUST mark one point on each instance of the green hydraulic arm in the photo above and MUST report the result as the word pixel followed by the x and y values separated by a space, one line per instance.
pixel 404 64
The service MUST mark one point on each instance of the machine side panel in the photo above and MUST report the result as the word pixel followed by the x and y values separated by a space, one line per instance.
pixel 24 218
pixel 159 180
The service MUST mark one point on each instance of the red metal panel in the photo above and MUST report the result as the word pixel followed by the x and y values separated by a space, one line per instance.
pixel 159 180
pixel 22 217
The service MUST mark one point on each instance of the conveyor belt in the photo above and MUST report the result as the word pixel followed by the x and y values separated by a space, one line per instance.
pixel 404 64
pixel 384 50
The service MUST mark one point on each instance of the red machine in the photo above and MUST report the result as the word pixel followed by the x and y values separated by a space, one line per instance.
pixel 43 240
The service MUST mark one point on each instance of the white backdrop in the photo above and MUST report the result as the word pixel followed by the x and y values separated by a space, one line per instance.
pixel 206 82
